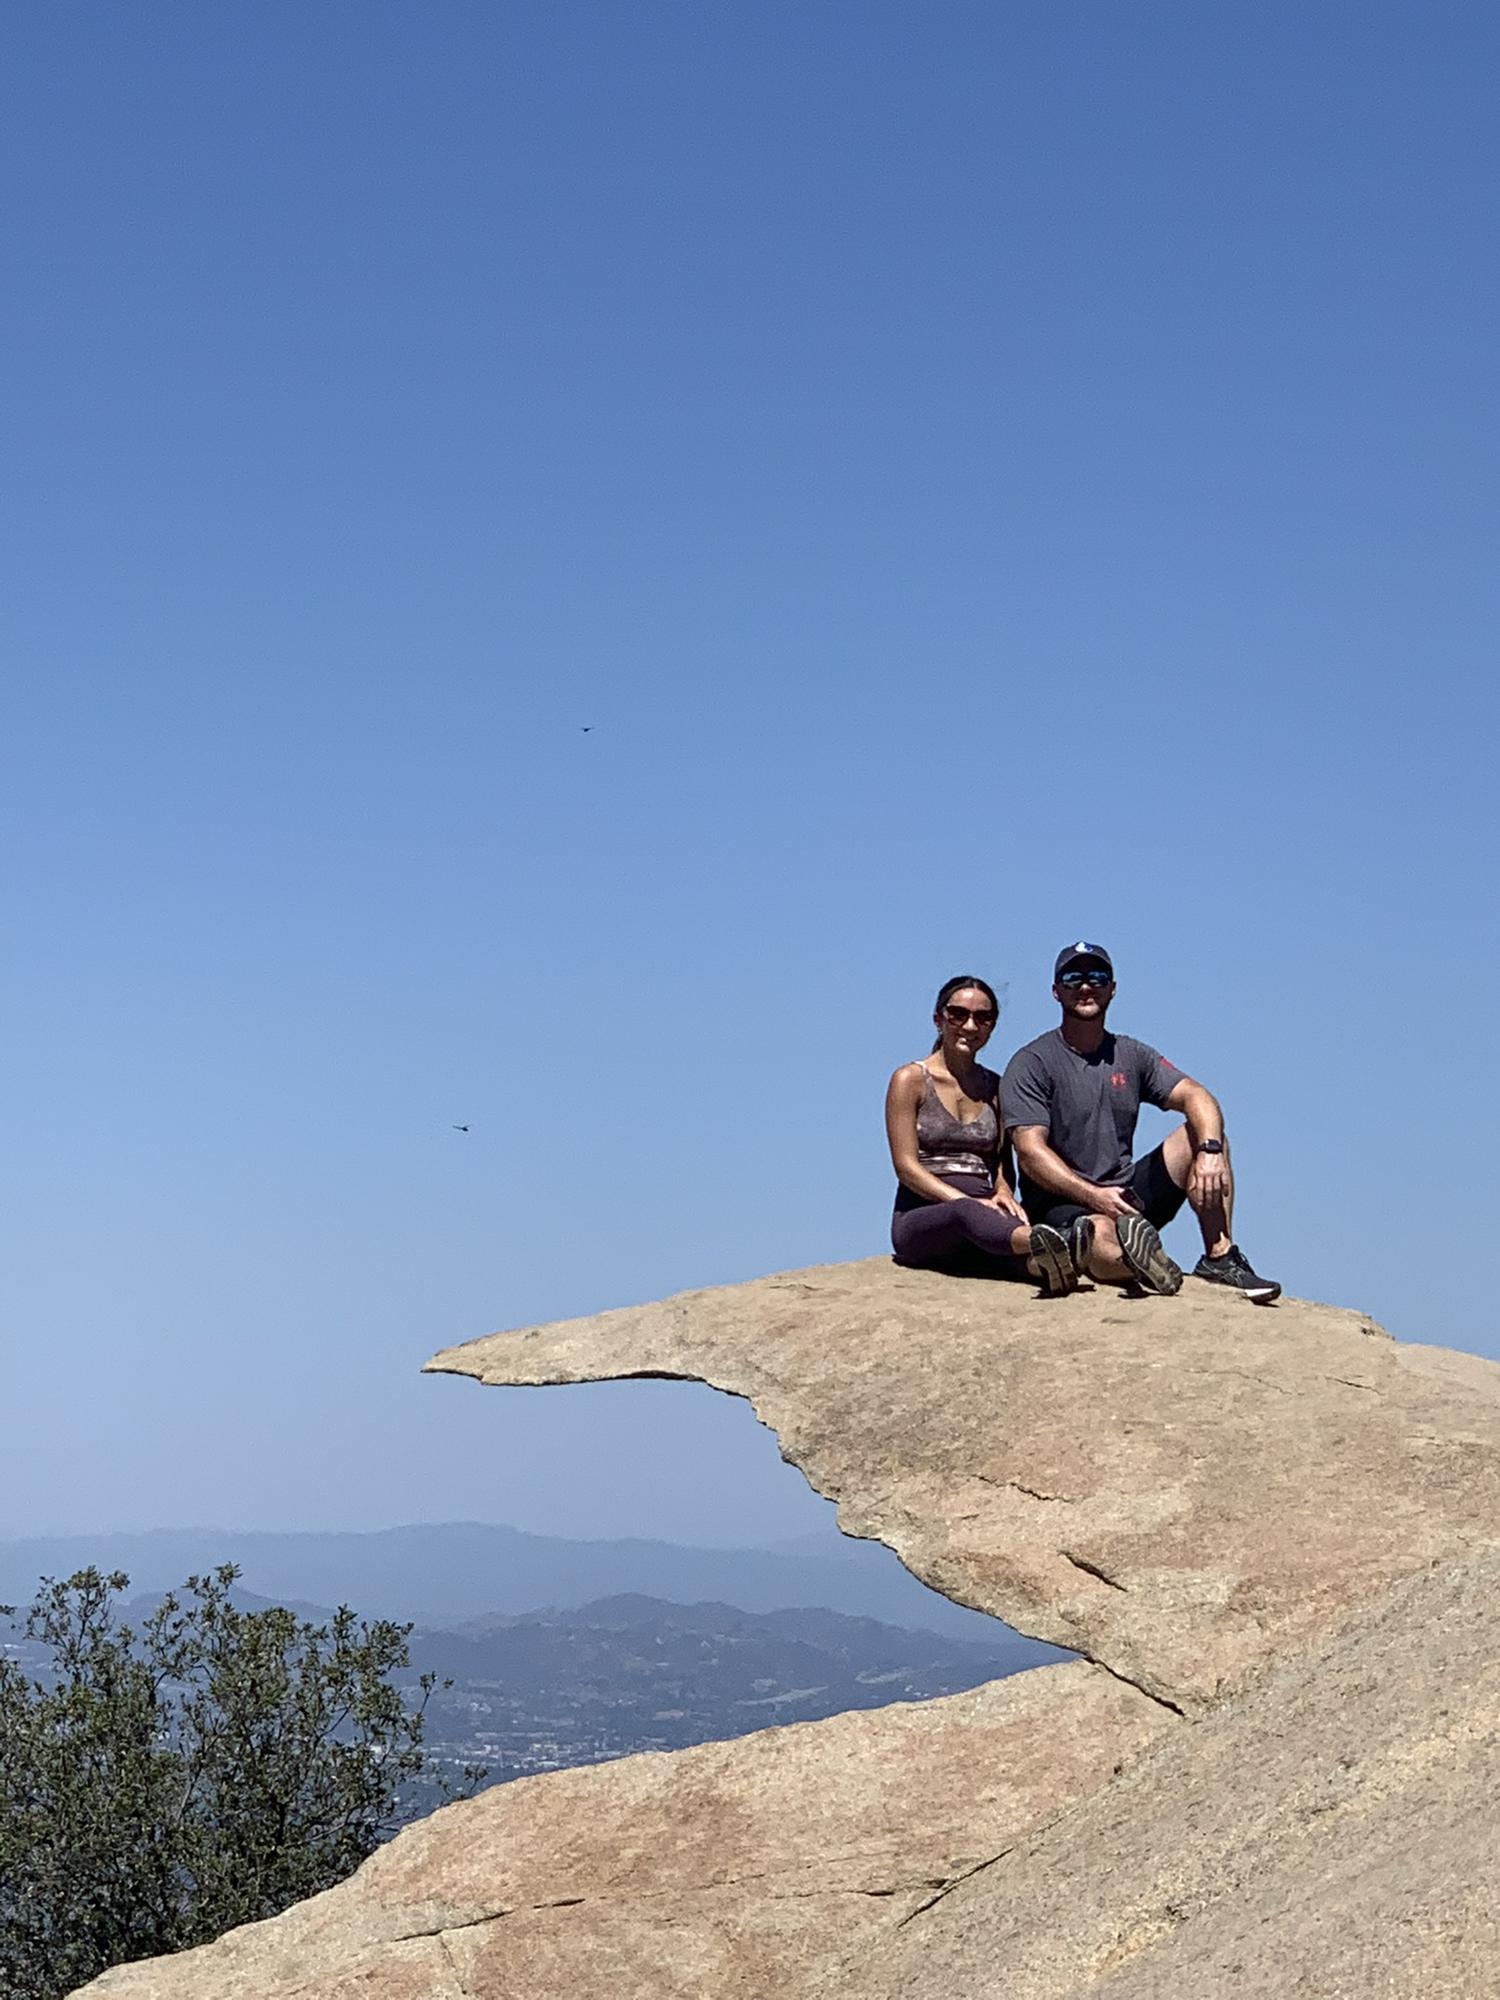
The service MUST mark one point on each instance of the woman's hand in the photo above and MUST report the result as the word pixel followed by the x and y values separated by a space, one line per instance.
pixel 1006 1202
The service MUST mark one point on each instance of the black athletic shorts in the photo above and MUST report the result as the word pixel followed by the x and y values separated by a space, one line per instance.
pixel 1156 1194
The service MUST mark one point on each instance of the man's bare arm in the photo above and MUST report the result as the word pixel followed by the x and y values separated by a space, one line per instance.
pixel 1209 1181
pixel 1049 1170
pixel 1200 1108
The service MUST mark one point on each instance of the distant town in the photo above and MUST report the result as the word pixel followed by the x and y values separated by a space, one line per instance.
pixel 638 1649
pixel 546 1690
pixel 522 1693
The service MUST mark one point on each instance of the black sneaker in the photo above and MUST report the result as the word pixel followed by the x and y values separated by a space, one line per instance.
pixel 1081 1243
pixel 1054 1265
pixel 1143 1252
pixel 1233 1269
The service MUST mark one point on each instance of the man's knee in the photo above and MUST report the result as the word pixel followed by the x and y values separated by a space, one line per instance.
pixel 1177 1154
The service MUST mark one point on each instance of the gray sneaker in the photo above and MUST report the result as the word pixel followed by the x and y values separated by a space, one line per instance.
pixel 1081 1243
pixel 1143 1252
pixel 1054 1266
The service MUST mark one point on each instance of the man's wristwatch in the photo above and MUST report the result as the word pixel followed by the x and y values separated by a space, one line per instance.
pixel 1209 1146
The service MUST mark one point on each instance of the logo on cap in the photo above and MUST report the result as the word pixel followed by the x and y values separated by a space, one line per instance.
pixel 1071 953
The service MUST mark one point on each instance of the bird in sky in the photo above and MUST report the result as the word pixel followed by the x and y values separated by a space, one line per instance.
pixel 460 1128
pixel 585 728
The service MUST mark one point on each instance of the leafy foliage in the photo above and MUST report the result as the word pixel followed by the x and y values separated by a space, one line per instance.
pixel 157 1788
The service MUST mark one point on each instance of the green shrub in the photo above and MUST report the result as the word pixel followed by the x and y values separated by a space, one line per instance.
pixel 158 1787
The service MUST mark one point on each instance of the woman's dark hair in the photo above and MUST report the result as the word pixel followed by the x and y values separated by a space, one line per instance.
pixel 951 986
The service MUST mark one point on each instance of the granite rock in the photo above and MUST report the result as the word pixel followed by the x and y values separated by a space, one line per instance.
pixel 1327 1836
pixel 732 1869
pixel 1181 1489
pixel 1274 1531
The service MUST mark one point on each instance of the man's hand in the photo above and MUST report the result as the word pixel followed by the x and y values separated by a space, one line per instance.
pixel 1113 1202
pixel 1006 1202
pixel 1208 1181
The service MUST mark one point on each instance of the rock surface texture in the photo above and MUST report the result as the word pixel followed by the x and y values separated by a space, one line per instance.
pixel 1178 1488
pixel 1274 1530
pixel 1329 1836
pixel 733 1869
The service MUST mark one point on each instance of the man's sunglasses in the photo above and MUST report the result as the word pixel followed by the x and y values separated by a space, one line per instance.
pixel 956 1016
pixel 1087 975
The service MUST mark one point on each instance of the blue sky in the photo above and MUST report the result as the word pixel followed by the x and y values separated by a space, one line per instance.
pixel 563 566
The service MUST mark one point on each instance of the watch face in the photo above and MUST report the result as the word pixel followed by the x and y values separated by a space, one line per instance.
pixel 1211 1146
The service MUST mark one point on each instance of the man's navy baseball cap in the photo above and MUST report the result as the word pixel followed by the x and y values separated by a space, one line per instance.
pixel 1082 953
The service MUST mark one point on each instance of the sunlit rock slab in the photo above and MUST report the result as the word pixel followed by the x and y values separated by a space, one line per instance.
pixel 1331 1835
pixel 1179 1488
pixel 731 1870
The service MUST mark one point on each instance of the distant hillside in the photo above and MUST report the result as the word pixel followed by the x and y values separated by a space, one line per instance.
pixel 537 1649
pixel 443 1575
pixel 541 1690
pixel 554 1688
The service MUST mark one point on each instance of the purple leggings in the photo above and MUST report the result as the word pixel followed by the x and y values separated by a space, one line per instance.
pixel 967 1238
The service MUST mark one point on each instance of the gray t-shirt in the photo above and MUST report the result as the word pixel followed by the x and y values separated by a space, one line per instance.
pixel 1087 1105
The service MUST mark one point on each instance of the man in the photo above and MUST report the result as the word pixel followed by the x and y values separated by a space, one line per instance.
pixel 1071 1099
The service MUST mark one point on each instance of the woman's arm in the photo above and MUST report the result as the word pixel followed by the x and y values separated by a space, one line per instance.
pixel 1005 1198
pixel 903 1099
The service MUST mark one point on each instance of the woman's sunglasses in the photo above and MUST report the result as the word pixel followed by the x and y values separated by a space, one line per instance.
pixel 985 1017
pixel 1091 975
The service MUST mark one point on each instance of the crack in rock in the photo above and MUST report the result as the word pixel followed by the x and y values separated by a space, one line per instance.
pixel 1116 1674
pixel 952 1882
pixel 1260 1381
pixel 677 1893
pixel 1092 1569
pixel 458 1978
pixel 1019 1486
pixel 443 1932
pixel 1031 1834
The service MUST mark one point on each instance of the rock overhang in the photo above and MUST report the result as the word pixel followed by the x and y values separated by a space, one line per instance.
pixel 1282 1523
pixel 1179 1489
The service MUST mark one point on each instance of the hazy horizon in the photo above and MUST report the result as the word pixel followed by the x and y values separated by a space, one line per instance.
pixel 814 1538
pixel 451 1571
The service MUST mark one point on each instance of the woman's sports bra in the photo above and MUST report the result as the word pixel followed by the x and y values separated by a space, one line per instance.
pixel 946 1145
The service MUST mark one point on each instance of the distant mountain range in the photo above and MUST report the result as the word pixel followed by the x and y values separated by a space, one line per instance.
pixel 447 1574
pixel 546 1689
pixel 520 1693
pixel 536 1650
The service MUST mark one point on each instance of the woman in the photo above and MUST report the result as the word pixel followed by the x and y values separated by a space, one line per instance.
pixel 956 1208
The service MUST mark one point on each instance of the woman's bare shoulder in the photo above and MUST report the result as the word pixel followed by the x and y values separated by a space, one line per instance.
pixel 909 1075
